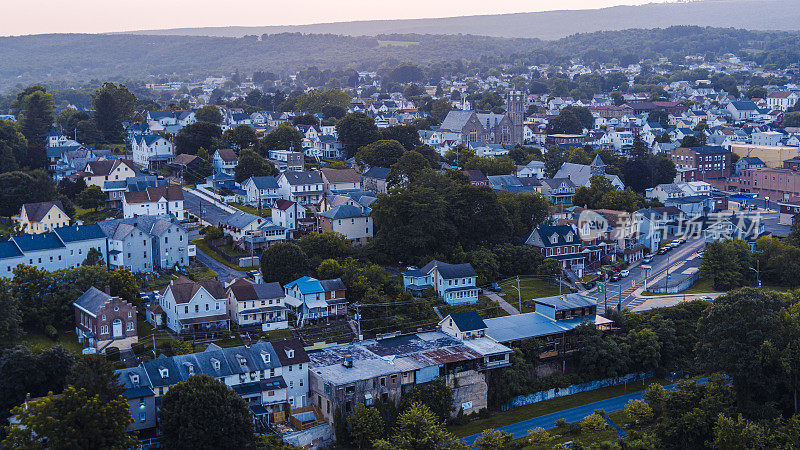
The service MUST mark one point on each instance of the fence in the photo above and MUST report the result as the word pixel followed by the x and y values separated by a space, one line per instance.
pixel 522 400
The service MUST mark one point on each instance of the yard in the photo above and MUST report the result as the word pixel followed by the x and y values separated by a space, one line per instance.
pixel 89 216
pixel 36 341
pixel 485 307
pixel 514 415
pixel 264 212
pixel 203 247
pixel 530 288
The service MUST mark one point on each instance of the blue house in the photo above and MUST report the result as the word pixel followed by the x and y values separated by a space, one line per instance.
pixel 454 283
pixel 313 299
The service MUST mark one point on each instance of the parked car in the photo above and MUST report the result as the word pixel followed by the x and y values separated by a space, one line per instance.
pixel 662 250
pixel 615 277
pixel 495 287
pixel 647 259
pixel 706 298
pixel 625 273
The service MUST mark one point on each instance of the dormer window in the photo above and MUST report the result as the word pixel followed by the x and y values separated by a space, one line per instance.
pixel 290 353
pixel 553 238
pixel 568 237
pixel 134 379
pixel 265 357
pixel 163 371
pixel 215 363
pixel 190 368
pixel 242 360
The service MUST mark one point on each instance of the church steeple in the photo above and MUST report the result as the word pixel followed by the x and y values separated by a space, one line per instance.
pixel 597 167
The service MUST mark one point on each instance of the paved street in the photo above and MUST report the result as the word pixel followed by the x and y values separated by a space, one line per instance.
pixel 548 421
pixel 623 290
pixel 203 208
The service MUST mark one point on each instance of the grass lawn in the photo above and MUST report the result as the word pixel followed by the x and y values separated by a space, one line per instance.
pixel 252 210
pixel 484 307
pixel 199 272
pixel 37 341
pixel 531 288
pixel 90 216
pixel 526 412
pixel 235 340
pixel 203 247
pixel 584 437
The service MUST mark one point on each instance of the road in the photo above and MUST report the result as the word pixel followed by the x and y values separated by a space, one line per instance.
pixel 206 210
pixel 223 272
pixel 575 414
pixel 625 287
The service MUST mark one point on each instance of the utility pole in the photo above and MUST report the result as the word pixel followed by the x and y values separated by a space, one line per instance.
pixel 519 295
pixel 358 320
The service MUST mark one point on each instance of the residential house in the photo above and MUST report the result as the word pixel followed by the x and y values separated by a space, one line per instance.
pixel 701 163
pixel 463 325
pixel 42 217
pixel 561 243
pixel 147 243
pixel 375 179
pixel 312 300
pixel 304 188
pixel 351 221
pixel 287 160
pixel 258 306
pixel 454 283
pixel 154 201
pixel 103 321
pixel 152 151
pixel 96 173
pixel 289 215
pixel 225 161
pixel 476 177
pixel 195 307
pixel 186 164
pixel 534 169
pixel 748 162
pixel 581 174
pixel 261 191
pixel 782 100
pixel 559 191
pixel 337 180
pixel 141 399
pixel 742 110
pixel 62 248
pixel 250 232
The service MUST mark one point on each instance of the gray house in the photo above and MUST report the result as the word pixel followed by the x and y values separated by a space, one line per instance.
pixel 146 243
pixel 62 248
pixel 140 396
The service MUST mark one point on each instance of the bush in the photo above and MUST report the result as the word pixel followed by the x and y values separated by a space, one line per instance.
pixel 562 424
pixel 51 332
pixel 593 423
pixel 112 353
pixel 138 349
pixel 484 413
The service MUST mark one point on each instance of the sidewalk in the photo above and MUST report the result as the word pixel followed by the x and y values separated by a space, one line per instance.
pixel 503 304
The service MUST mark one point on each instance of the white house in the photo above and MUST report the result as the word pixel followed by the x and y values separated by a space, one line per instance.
pixel 301 187
pixel 260 191
pixel 258 306
pixel 190 306
pixel 455 283
pixel 151 149
pixel 225 161
pixel 154 201
pixel 782 100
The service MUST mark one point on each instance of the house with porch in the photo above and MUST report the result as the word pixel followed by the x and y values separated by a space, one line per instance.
pixel 559 191
pixel 257 306
pixel 42 217
pixel 561 243
pixel 195 307
pixel 225 161
pixel 154 201
pixel 305 188
pixel 454 283
pixel 260 191
pixel 311 299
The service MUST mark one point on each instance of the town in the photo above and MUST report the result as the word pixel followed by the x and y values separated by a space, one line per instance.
pixel 534 255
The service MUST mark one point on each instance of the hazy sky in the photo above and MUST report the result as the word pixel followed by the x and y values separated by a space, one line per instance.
pixel 97 16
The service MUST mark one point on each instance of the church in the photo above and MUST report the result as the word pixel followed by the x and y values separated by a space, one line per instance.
pixel 479 127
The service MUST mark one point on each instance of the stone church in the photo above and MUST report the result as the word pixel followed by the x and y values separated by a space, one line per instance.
pixel 487 127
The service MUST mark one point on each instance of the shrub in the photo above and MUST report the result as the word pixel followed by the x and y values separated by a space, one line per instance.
pixel 51 332
pixel 138 348
pixel 593 423
pixel 112 353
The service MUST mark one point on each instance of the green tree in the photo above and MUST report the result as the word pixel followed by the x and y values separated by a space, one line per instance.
pixel 95 375
pixel 203 403
pixel 23 372
pixel 191 138
pixel 13 147
pixel 406 169
pixel 380 153
pixel 240 137
pixel 418 428
pixel 251 164
pixel 593 423
pixel 35 113
pixel 357 130
pixel 71 420
pixel 599 356
pixel 365 425
pixel 10 315
pixel 113 104
pixel 93 257
pixel 645 350
pixel 210 114
pixel 123 284
pixel 325 245
pixel 740 434
pixel 435 395
pixel 405 134
pixel 92 198
pixel 727 263
pixel 492 439
pixel 639 412
pixel 439 110
pixel 539 439
pixel 284 137
pixel 283 262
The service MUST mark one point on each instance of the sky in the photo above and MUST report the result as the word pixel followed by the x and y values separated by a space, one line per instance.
pixel 19 17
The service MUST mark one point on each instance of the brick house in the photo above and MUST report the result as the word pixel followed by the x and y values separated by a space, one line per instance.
pixel 701 163
pixel 102 320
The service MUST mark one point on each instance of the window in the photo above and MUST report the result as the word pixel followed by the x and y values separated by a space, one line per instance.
pixel 142 417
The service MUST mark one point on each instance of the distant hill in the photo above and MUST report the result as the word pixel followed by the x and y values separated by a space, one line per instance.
pixel 745 14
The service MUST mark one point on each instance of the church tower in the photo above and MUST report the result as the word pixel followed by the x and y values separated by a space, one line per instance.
pixel 515 109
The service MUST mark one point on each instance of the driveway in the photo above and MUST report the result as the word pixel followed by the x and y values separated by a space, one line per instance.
pixel 223 272
pixel 503 304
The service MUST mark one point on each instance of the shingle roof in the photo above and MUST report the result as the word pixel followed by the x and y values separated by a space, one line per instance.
pixel 34 242
pixel 92 300
pixel 286 347
pixel 9 249
pixel 300 178
pixel 241 219
pixel 341 175
pixel 227 154
pixel 265 182
pixel 283 204
pixel 37 211
pixel 468 321
pixel 568 301
pixel 184 289
pixel 455 120
pixel 449 271
pixel 77 233
pixel 378 173
pixel 343 212
pixel 153 194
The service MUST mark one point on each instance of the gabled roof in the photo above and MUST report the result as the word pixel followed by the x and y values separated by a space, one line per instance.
pixel 266 182
pixel 241 219
pixel 456 120
pixel 450 271
pixel 301 178
pixel 154 194
pixel 344 212
pixel 290 347
pixel 37 211
pixel 9 249
pixel 92 300
pixel 378 173
pixel 567 301
pixel 545 232
pixel 283 204
pixel 35 242
pixel 468 321
pixel 184 159
pixel 309 285
pixel 475 176
pixel 184 289
pixel 243 290
pixel 227 154
pixel 341 175
pixel 76 233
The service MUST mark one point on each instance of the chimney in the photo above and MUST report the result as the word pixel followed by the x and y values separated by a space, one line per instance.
pixel 108 289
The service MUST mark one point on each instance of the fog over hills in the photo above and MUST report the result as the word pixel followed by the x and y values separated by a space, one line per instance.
pixel 747 14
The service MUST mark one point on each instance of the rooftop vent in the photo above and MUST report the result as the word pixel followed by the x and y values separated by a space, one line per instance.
pixel 348 362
